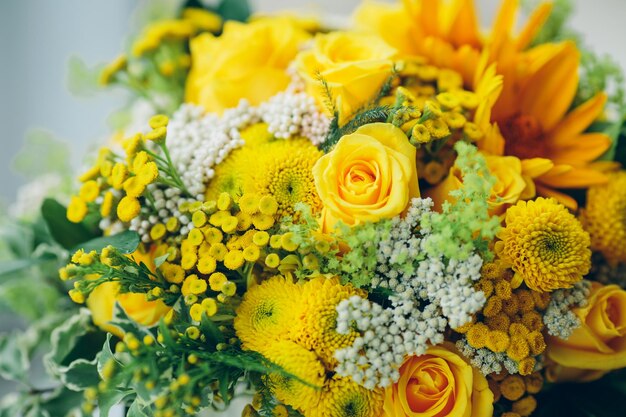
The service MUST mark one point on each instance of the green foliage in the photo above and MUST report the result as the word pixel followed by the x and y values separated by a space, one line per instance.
pixel 66 233
pixel 466 225
pixel 64 340
pixel 42 154
pixel 82 81
pixel 373 115
pixel 125 242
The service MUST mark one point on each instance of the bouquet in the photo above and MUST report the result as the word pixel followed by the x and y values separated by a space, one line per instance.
pixel 405 217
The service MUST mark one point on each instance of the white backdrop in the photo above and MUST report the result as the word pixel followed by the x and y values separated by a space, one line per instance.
pixel 38 36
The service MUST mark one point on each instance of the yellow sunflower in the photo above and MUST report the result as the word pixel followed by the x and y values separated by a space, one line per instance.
pixel 447 33
pixel 535 124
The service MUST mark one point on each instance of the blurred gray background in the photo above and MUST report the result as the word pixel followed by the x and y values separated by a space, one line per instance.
pixel 37 37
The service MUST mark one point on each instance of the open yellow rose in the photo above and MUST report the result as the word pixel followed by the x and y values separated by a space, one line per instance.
pixel 439 383
pixel 353 66
pixel 248 61
pixel 368 176
pixel 599 344
pixel 514 182
pixel 101 303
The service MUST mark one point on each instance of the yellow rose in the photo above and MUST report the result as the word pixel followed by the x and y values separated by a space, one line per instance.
pixel 101 303
pixel 368 176
pixel 599 344
pixel 248 61
pixel 354 67
pixel 512 184
pixel 439 384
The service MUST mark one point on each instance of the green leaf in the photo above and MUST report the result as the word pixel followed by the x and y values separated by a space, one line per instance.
pixel 126 242
pixel 64 232
pixel 160 260
pixel 211 331
pixel 42 154
pixel 109 398
pixel 80 375
pixel 234 10
pixel 82 81
pixel 105 354
pixel 10 267
pixel 138 410
pixel 18 295
pixel 64 339
pixel 12 405
pixel 14 361
pixel 62 402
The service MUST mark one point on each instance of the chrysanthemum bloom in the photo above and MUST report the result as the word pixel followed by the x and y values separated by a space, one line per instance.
pixel 319 327
pixel 342 397
pixel 545 245
pixel 303 395
pixel 604 218
pixel 268 313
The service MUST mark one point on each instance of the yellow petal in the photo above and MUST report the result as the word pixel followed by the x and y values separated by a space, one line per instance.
pixel 549 92
pixel 536 167
pixel 533 25
pixel 582 148
pixel 576 178
pixel 577 121
pixel 464 28
pixel 505 20
pixel 564 199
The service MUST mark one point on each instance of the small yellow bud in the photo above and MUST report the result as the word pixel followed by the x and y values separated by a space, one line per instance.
pixel 157 135
pixel 159 120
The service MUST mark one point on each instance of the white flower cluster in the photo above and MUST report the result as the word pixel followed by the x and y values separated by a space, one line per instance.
pixel 559 320
pixel 291 114
pixel 198 141
pixel 445 283
pixel 166 205
pixel 388 335
pixel 485 360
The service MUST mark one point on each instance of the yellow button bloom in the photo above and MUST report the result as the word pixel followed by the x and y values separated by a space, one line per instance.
pixel 353 67
pixel 369 175
pixel 248 61
pixel 439 383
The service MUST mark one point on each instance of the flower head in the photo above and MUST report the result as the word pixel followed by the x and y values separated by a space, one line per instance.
pixel 545 245
pixel 267 313
pixel 318 330
pixel 342 397
pixel 604 217
pixel 302 363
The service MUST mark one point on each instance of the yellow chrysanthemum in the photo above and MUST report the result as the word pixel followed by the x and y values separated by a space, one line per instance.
pixel 604 218
pixel 268 312
pixel 229 176
pixel 283 169
pixel 342 397
pixel 318 330
pixel 301 363
pixel 545 245
pixel 256 134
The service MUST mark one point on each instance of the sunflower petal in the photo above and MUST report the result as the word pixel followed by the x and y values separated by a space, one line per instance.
pixel 582 148
pixel 562 198
pixel 575 178
pixel 577 121
pixel 549 92
pixel 535 167
pixel 534 24
pixel 464 27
